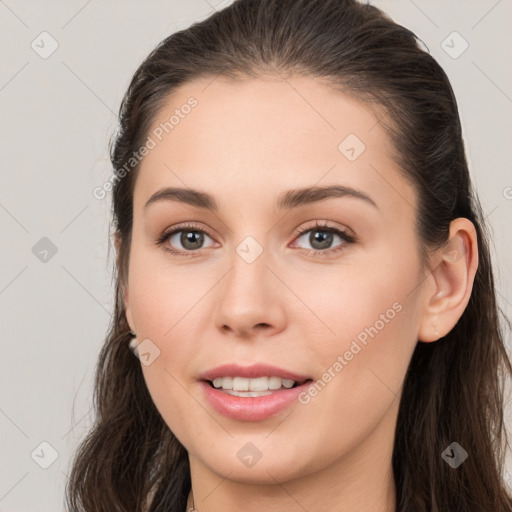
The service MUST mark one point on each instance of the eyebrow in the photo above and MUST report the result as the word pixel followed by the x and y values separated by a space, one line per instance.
pixel 287 200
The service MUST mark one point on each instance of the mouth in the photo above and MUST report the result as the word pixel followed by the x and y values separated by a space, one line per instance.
pixel 242 402
pixel 253 387
pixel 252 393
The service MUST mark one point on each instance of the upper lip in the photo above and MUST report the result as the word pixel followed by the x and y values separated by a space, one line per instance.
pixel 251 372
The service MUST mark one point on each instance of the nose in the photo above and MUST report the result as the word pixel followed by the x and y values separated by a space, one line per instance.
pixel 250 299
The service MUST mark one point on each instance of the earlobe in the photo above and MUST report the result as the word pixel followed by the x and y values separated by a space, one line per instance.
pixel 117 244
pixel 128 311
pixel 124 287
pixel 129 319
pixel 452 277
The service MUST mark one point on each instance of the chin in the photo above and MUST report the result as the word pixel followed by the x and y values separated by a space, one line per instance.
pixel 266 470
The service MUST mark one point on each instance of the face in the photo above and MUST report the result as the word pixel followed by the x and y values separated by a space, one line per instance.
pixel 320 287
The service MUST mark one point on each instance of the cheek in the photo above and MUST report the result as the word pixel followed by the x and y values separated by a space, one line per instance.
pixel 363 300
pixel 368 320
pixel 167 305
pixel 162 296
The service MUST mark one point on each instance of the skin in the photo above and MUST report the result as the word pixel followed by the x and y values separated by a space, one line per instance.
pixel 245 143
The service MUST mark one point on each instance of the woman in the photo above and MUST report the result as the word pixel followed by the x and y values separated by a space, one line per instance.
pixel 304 276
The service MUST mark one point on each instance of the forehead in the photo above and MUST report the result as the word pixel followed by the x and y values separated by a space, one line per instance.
pixel 256 136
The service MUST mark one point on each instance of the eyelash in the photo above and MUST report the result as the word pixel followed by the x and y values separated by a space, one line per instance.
pixel 347 239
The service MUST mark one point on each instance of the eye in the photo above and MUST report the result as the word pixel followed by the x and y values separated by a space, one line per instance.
pixel 321 238
pixel 189 236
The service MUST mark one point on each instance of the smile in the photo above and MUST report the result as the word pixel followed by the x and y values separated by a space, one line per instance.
pixel 245 387
pixel 251 393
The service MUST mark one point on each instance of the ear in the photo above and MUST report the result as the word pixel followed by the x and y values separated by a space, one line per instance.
pixel 451 281
pixel 129 317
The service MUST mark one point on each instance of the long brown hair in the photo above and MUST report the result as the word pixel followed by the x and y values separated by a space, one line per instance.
pixel 453 390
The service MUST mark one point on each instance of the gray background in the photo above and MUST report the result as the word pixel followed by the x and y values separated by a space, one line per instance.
pixel 57 116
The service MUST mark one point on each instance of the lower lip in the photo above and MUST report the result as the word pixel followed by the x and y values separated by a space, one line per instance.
pixel 251 408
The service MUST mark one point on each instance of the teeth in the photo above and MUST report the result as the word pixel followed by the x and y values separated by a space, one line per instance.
pixel 223 382
pixel 258 384
pixel 274 383
pixel 287 383
pixel 240 384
